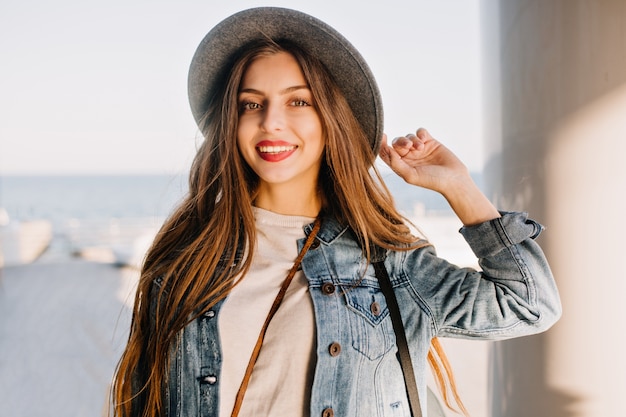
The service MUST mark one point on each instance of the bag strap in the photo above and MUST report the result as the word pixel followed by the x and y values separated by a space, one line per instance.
pixel 270 315
pixel 403 348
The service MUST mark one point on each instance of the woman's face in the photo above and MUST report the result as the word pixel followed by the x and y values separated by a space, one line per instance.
pixel 279 133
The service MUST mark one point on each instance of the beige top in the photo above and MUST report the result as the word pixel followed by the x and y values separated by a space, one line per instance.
pixel 282 377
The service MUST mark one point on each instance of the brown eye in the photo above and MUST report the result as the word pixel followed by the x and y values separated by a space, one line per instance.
pixel 300 103
pixel 250 105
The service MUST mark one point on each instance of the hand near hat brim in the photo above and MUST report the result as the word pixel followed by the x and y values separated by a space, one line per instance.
pixel 423 161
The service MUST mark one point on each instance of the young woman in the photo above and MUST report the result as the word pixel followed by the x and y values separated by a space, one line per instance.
pixel 284 198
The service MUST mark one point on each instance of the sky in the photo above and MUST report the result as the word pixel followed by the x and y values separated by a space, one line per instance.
pixel 95 87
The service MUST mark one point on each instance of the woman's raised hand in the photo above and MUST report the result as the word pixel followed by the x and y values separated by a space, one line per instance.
pixel 421 160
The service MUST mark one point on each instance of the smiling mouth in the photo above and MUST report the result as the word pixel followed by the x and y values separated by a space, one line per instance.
pixel 276 149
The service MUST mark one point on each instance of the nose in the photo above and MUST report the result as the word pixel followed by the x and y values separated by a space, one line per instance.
pixel 273 118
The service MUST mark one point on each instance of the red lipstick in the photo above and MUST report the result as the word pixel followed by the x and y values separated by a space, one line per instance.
pixel 275 151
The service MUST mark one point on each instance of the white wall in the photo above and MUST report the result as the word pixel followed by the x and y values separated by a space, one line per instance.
pixel 560 156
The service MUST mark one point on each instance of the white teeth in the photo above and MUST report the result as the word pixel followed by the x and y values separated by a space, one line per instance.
pixel 276 149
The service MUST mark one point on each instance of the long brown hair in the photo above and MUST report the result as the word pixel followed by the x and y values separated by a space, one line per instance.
pixel 195 256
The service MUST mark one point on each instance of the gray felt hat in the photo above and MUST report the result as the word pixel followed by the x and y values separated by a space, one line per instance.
pixel 221 45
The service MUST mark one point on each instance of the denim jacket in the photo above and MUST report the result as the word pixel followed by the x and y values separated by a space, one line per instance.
pixel 357 372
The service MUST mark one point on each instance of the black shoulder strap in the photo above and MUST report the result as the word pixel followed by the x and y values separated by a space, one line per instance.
pixel 403 348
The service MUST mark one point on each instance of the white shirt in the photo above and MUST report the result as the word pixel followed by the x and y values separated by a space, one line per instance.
pixel 282 377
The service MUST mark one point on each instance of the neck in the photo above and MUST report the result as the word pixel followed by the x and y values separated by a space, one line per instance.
pixel 294 201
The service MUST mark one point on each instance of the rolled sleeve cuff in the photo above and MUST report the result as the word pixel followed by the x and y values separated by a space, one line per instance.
pixel 494 235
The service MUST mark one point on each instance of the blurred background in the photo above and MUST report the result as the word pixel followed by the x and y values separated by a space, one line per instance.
pixel 96 139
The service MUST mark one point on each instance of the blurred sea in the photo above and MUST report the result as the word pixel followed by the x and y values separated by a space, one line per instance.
pixel 91 211
pixel 59 198
pixel 88 211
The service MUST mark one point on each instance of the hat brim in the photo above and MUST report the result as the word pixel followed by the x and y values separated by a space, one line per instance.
pixel 339 56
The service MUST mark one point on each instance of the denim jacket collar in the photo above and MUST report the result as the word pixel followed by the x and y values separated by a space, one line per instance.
pixel 330 231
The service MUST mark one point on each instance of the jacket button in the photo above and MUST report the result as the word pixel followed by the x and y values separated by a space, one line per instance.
pixel 328 288
pixel 315 244
pixel 210 379
pixel 209 314
pixel 375 308
pixel 328 412
pixel 334 349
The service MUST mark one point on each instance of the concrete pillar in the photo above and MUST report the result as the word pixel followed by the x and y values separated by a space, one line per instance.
pixel 558 150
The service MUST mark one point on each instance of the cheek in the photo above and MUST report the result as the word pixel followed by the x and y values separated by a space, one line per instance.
pixel 310 127
pixel 318 132
pixel 244 135
pixel 244 151
pixel 245 156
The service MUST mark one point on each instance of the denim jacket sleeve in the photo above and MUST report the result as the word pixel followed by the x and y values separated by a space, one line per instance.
pixel 513 294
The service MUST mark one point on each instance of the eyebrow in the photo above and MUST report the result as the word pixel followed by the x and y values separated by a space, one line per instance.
pixel 281 92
